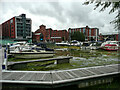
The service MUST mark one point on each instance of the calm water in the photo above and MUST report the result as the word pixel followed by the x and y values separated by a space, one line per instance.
pixel 109 86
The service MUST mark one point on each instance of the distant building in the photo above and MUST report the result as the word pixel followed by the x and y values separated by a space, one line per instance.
pixel 90 33
pixel 17 28
pixel 106 37
pixel 49 35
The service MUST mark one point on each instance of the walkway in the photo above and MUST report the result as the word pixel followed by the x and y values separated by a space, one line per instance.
pixel 60 77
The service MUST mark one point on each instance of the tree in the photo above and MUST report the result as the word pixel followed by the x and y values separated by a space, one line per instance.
pixel 78 36
pixel 115 7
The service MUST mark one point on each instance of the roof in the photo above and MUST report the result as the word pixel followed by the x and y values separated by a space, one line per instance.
pixel 82 27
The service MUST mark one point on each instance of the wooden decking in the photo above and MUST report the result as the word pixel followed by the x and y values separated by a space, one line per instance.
pixel 58 77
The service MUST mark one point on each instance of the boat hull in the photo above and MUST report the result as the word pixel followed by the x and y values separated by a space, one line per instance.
pixel 110 45
pixel 110 48
pixel 32 55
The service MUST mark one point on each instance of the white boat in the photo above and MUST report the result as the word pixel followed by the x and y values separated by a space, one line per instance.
pixel 17 48
pixel 21 46
pixel 110 45
pixel 75 43
pixel 62 44
pixel 26 51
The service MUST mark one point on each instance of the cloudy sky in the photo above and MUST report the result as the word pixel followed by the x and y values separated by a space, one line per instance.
pixel 58 14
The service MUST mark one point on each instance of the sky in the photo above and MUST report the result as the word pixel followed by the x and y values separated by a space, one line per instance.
pixel 58 14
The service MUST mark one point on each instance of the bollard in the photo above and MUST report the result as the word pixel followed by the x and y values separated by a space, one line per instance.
pixel 4 66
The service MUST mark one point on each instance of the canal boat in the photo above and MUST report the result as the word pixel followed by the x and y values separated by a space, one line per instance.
pixel 110 45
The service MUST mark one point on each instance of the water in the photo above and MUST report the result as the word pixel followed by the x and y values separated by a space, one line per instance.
pixel 108 86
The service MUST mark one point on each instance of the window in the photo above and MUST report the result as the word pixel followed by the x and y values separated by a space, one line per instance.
pixel 89 32
pixel 11 21
pixel 80 29
pixel 70 31
pixel 84 30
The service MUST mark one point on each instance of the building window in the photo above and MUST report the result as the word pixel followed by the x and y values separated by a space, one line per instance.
pixel 80 29
pixel 94 31
pixel 84 30
pixel 89 32
pixel 11 21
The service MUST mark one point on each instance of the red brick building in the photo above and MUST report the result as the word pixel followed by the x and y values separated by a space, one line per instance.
pixel 18 27
pixel 90 33
pixel 8 29
pixel 47 35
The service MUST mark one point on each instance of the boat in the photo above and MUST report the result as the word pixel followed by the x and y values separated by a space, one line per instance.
pixel 15 47
pixel 63 44
pixel 33 54
pixel 27 51
pixel 75 43
pixel 110 45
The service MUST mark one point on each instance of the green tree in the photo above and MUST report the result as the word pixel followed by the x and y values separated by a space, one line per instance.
pixel 78 36
pixel 115 6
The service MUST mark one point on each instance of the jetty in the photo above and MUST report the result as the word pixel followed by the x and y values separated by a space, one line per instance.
pixel 52 79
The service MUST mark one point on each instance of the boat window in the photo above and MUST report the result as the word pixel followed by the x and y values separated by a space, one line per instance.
pixel 113 43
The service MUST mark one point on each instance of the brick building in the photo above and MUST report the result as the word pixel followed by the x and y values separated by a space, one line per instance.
pixel 18 27
pixel 104 37
pixel 47 35
pixel 90 33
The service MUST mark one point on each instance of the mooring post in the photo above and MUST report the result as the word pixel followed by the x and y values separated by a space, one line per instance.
pixel 4 66
pixel 64 60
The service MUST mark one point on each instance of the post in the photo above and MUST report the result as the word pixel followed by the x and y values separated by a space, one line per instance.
pixel 63 61
pixel 4 66
pixel 96 34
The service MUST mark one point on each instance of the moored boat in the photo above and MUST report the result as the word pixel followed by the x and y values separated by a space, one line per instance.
pixel 110 45
pixel 30 51
pixel 31 55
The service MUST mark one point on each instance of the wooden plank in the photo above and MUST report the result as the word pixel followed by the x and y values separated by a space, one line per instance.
pixel 73 74
pixel 95 71
pixel 105 69
pixel 56 77
pixel 115 69
pixel 64 75
pixel 91 72
pixel 86 72
pixel 6 74
pixel 47 77
pixel 14 76
pixel 27 77
pixel 79 73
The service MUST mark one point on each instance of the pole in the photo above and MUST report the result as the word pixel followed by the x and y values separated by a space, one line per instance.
pixel 4 66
